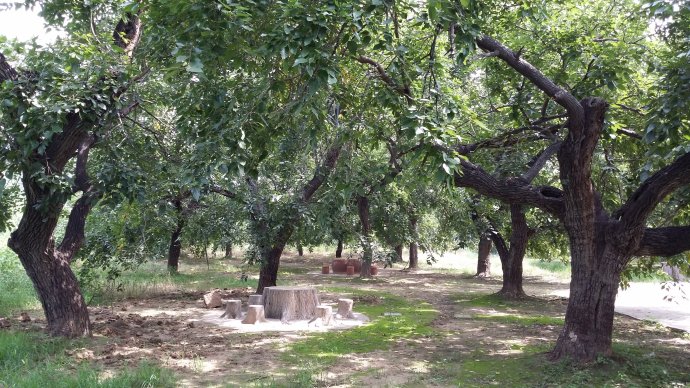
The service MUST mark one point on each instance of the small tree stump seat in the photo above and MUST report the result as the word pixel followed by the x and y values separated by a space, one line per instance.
pixel 233 309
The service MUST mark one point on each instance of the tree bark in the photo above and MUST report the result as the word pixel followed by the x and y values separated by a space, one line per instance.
pixel 398 252
pixel 512 262
pixel 300 250
pixel 414 253
pixel 483 256
pixel 365 222
pixel 175 240
pixel 228 251
pixel 339 249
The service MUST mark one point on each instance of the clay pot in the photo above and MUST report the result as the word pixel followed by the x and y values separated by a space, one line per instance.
pixel 374 270
pixel 350 270
pixel 356 263
pixel 325 269
pixel 339 265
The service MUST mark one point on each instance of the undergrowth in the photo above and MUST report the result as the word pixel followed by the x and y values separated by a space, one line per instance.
pixel 16 291
pixel 35 360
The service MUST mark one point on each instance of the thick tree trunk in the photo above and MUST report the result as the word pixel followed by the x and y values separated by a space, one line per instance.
pixel 268 275
pixel 300 250
pixel 368 252
pixel 588 328
pixel 398 252
pixel 176 241
pixel 339 249
pixel 49 268
pixel 228 251
pixel 483 256
pixel 414 254
pixel 512 264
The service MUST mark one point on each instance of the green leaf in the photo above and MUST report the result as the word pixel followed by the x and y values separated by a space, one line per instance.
pixel 195 66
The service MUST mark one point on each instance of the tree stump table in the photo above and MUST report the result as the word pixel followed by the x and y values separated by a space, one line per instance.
pixel 233 308
pixel 345 308
pixel 255 299
pixel 288 303
pixel 255 314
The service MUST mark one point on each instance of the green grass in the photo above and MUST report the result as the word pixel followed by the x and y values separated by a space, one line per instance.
pixel 325 349
pixel 522 320
pixel 152 278
pixel 34 360
pixel 16 291
pixel 632 366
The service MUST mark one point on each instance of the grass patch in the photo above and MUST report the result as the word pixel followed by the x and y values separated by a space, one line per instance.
pixel 35 360
pixel 522 320
pixel 632 366
pixel 16 291
pixel 413 322
pixel 153 279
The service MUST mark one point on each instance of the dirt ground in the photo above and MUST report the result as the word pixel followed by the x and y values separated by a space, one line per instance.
pixel 168 329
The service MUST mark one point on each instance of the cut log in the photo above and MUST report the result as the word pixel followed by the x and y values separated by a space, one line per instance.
pixel 288 303
pixel 345 308
pixel 325 269
pixel 255 314
pixel 255 299
pixel 350 270
pixel 213 299
pixel 233 309
pixel 325 313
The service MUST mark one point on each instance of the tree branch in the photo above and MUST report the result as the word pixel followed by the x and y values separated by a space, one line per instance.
pixel 540 161
pixel 385 77
pixel 644 200
pixel 666 241
pixel 560 95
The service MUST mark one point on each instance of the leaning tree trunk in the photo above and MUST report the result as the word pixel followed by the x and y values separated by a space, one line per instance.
pixel 414 253
pixel 339 249
pixel 483 256
pixel 48 267
pixel 175 241
pixel 363 212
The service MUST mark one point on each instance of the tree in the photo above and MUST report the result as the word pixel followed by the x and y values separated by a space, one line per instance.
pixel 52 116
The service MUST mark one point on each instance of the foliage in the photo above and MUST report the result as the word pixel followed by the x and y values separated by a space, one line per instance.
pixel 16 291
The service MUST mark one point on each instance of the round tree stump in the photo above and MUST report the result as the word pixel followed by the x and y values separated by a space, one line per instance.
pixel 255 314
pixel 373 270
pixel 325 269
pixel 255 299
pixel 325 313
pixel 339 265
pixel 233 309
pixel 345 308
pixel 350 270
pixel 288 303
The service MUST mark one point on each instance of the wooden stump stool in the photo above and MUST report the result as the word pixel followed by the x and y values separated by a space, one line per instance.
pixel 288 303
pixel 233 308
pixel 255 299
pixel 325 269
pixel 255 314
pixel 350 270
pixel 345 308
pixel 325 313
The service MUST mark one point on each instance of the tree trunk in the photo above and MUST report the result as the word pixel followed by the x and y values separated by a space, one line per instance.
pixel 300 250
pixel 228 251
pixel 268 275
pixel 512 264
pixel 588 328
pixel 363 211
pixel 339 249
pixel 175 241
pixel 398 252
pixel 49 268
pixel 483 256
pixel 414 254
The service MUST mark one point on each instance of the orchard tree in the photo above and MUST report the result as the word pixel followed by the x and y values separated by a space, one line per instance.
pixel 64 103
